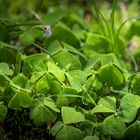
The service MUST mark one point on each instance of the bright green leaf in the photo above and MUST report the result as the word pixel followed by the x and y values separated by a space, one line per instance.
pixel 27 39
pixel 50 103
pixel 114 127
pixel 96 42
pixel 129 106
pixel 20 80
pixel 111 75
pixel 55 70
pixel 91 138
pixel 106 104
pixel 73 82
pixel 42 84
pixel 19 100
pixel 4 69
pixel 70 115
pixel 79 76
pixel 71 49
pixel 7 55
pixel 41 115
pixel 69 133
pixel 54 47
pixel 65 59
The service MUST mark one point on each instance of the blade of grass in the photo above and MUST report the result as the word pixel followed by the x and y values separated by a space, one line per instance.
pixel 101 18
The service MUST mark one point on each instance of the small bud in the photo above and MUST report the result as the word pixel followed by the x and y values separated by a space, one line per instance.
pixel 48 30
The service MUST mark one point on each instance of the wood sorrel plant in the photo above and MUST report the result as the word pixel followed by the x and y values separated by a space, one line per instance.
pixel 73 88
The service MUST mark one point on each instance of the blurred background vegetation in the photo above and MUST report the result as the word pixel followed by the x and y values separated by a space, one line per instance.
pixel 31 12
pixel 18 16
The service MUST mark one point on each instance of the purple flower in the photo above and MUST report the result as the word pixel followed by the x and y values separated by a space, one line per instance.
pixel 48 30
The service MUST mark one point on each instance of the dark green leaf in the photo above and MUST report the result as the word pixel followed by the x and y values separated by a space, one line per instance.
pixel 132 131
pixel 3 112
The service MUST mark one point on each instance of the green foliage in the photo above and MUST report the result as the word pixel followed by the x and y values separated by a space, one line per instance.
pixel 97 43
pixel 132 132
pixel 114 126
pixel 20 100
pixel 110 70
pixel 53 69
pixel 81 83
pixel 106 104
pixel 135 84
pixel 43 111
pixel 69 133
pixel 91 138
pixel 129 106
pixel 75 116
pixel 4 69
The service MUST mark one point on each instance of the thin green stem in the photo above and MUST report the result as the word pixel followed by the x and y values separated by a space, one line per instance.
pixel 42 48
pixel 25 23
pixel 37 26
pixel 19 88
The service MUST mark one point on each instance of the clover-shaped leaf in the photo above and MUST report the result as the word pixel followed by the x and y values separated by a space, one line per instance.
pixel 70 115
pixel 69 133
pixel 114 126
pixel 106 104
pixel 43 111
pixel 20 100
pixel 4 69
pixel 129 106
pixel 111 75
